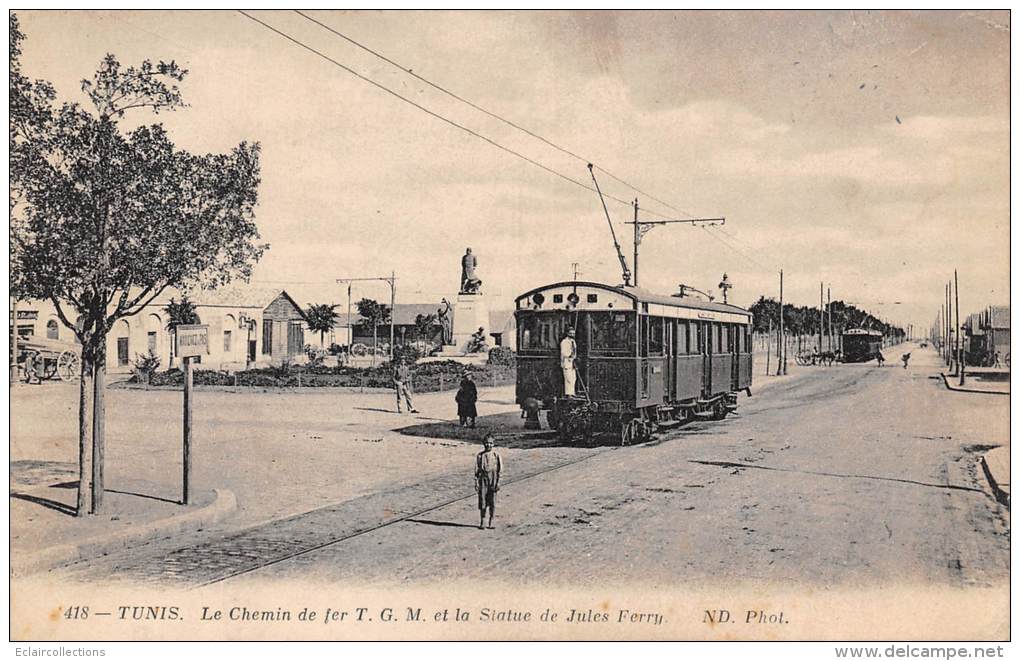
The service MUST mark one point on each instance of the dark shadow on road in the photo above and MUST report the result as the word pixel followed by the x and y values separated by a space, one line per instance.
pixel 735 464
pixel 507 427
pixel 63 508
pixel 444 524
pixel 143 495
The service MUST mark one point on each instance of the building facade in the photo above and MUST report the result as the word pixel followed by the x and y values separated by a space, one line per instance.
pixel 248 326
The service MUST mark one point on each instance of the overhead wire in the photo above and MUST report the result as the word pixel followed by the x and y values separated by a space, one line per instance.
pixel 432 113
pixel 489 113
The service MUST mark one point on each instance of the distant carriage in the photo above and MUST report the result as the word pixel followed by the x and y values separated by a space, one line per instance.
pixel 861 345
pixel 643 360
pixel 49 358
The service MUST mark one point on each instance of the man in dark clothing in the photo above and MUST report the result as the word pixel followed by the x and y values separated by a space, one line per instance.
pixel 487 469
pixel 401 378
pixel 466 397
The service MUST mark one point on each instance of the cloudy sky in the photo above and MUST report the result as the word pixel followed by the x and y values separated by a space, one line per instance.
pixel 868 150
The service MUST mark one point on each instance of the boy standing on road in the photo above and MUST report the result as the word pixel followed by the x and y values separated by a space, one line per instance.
pixel 487 469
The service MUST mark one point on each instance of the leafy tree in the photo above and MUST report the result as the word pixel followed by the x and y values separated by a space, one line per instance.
pixel 103 220
pixel 321 318
pixel 373 314
pixel 424 324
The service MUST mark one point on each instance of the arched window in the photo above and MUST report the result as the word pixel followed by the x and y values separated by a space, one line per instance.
pixel 123 332
pixel 229 324
pixel 52 330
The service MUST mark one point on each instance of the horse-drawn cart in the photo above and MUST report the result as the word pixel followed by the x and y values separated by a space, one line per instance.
pixel 42 359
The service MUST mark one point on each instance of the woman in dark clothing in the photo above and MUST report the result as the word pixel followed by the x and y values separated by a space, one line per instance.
pixel 467 395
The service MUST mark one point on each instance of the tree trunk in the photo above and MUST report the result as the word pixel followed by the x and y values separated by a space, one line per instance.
pixel 99 423
pixel 85 392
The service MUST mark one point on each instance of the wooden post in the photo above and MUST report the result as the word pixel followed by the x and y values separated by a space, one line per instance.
pixel 768 349
pixel 781 369
pixel 186 491
pixel 959 344
pixel 821 314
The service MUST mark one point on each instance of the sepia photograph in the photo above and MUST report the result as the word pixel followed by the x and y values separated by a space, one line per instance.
pixel 510 325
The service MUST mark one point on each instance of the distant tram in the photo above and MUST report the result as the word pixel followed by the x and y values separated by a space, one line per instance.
pixel 861 345
pixel 643 360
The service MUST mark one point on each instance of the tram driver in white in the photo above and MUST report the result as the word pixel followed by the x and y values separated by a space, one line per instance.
pixel 568 352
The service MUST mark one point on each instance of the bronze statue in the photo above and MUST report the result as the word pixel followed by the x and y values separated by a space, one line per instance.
pixel 469 283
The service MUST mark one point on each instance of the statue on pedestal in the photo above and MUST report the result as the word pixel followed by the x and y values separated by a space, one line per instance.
pixel 469 283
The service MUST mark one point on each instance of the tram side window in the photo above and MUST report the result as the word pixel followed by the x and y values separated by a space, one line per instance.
pixel 611 332
pixel 656 329
pixel 682 330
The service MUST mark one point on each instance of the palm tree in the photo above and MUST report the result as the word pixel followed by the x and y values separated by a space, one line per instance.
pixel 184 313
pixel 322 318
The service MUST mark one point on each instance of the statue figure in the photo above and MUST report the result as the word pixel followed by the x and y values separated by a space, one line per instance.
pixel 446 322
pixel 469 283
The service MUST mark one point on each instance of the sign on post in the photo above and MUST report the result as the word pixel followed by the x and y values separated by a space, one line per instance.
pixel 192 340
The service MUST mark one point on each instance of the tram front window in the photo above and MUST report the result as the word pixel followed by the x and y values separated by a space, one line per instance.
pixel 541 331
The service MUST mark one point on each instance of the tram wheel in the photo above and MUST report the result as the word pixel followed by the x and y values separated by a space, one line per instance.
pixel 719 411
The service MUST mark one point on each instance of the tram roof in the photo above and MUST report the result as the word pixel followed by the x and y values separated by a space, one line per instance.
pixel 862 331
pixel 644 296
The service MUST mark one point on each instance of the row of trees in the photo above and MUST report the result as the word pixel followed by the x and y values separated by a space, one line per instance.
pixel 322 318
pixel 804 320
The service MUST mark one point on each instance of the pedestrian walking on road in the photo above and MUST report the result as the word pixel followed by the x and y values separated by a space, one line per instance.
pixel 906 359
pixel 401 378
pixel 880 358
pixel 466 397
pixel 488 466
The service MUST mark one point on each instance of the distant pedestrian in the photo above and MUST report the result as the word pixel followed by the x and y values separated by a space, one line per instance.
pixel 488 466
pixel 401 379
pixel 467 395
pixel 906 359
pixel 880 358
pixel 998 360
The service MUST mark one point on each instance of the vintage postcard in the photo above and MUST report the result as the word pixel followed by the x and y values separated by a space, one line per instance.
pixel 510 325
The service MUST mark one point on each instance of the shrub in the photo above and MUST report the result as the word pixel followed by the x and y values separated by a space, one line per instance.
pixel 406 354
pixel 502 356
pixel 144 366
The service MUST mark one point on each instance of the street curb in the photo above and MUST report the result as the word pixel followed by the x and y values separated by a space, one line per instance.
pixel 1000 495
pixel 945 379
pixel 50 558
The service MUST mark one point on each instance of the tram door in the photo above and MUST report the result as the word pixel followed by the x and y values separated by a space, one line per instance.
pixel 705 348
pixel 668 362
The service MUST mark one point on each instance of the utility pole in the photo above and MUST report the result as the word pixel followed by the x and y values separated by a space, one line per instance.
pixel 391 279
pixel 828 308
pixel 959 345
pixel 642 227
pixel 821 314
pixel 782 333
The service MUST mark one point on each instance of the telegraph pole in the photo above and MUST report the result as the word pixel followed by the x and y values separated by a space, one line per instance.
pixel 782 334
pixel 391 279
pixel 821 314
pixel 642 227
pixel 828 307
pixel 959 345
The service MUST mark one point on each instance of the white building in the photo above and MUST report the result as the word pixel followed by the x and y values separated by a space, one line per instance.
pixel 247 325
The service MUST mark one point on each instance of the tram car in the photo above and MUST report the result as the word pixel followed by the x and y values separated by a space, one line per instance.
pixel 643 360
pixel 861 345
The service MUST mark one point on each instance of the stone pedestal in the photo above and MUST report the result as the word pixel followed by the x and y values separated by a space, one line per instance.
pixel 469 313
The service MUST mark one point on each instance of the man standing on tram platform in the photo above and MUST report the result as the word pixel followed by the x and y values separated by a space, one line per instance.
pixel 568 354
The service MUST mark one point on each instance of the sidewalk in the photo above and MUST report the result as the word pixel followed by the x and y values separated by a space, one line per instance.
pixel 995 464
pixel 975 383
pixel 45 533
